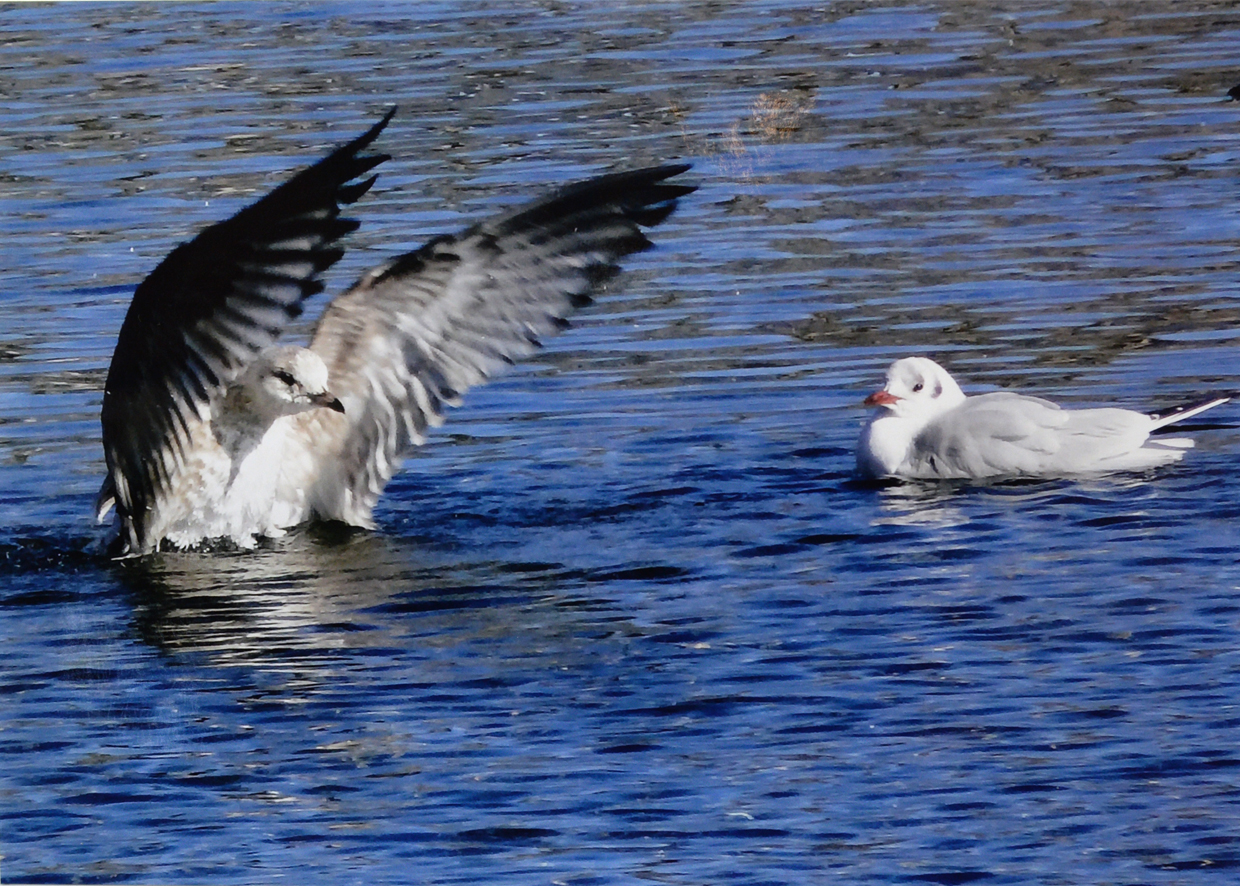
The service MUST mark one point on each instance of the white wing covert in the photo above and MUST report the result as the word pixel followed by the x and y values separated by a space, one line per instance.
pixel 1001 433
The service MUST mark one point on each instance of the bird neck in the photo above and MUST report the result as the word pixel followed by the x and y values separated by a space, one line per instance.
pixel 241 420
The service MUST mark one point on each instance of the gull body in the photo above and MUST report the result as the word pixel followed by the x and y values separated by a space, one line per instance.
pixel 212 430
pixel 925 427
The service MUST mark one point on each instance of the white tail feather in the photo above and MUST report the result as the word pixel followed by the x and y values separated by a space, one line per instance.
pixel 1169 443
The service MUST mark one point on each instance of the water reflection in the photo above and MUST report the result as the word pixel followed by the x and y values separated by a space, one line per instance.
pixel 922 504
pixel 314 594
pixel 259 605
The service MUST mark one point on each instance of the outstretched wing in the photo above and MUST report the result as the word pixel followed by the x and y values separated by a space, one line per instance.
pixel 415 334
pixel 206 311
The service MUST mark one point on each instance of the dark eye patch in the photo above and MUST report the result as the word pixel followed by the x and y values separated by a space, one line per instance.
pixel 285 376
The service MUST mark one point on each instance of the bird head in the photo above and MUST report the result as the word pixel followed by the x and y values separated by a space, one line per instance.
pixel 288 380
pixel 917 388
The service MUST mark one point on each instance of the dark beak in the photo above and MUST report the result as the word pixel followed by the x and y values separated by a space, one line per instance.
pixel 326 399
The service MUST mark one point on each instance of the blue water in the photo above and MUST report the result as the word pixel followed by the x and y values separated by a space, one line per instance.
pixel 628 617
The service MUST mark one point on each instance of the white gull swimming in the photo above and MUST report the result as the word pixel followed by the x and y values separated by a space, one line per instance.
pixel 212 430
pixel 926 428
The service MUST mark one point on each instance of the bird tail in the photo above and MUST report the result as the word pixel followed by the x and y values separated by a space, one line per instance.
pixel 1186 411
pixel 1175 443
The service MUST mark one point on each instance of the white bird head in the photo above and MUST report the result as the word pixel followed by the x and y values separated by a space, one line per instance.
pixel 287 380
pixel 919 389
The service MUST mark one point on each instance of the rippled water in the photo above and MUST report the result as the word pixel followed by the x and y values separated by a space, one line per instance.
pixel 629 618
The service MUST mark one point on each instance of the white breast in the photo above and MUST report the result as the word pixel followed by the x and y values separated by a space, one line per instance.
pixel 884 445
pixel 219 497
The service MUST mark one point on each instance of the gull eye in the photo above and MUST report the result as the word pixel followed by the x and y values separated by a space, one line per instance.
pixel 917 388
pixel 285 376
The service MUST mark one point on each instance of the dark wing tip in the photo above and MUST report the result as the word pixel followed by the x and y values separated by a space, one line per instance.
pixel 364 140
pixel 635 188
pixel 354 148
pixel 1188 410
pixel 340 167
pixel 1209 400
pixel 642 196
pixel 215 302
pixel 352 193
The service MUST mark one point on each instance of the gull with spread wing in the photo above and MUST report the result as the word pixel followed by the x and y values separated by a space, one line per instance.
pixel 926 428
pixel 212 430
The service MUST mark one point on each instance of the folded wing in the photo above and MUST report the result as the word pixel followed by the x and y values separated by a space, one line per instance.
pixel 1007 434
pixel 990 435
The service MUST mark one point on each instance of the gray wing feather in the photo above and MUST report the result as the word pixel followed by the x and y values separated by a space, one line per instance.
pixel 411 336
pixel 1008 434
pixel 991 435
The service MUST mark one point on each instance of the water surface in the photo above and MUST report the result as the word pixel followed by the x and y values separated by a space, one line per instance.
pixel 628 617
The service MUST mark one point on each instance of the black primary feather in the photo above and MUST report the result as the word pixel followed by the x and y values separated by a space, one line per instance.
pixel 208 309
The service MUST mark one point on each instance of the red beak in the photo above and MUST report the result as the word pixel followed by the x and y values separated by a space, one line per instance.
pixel 881 398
